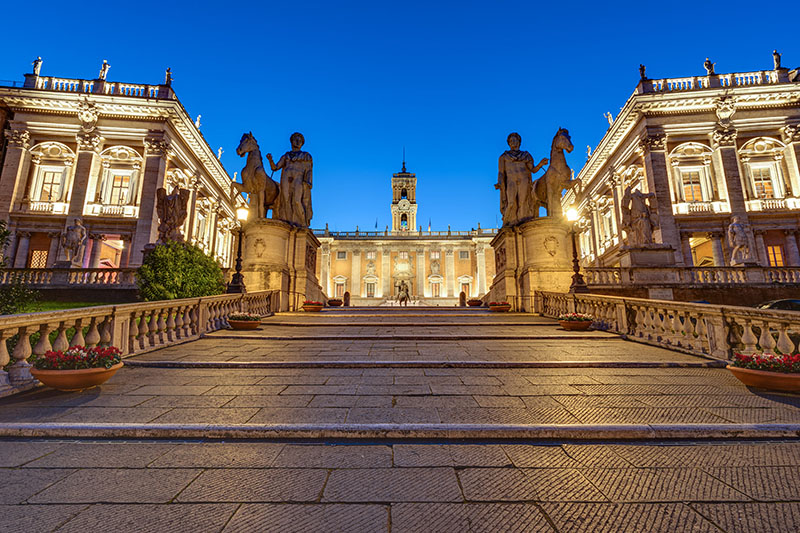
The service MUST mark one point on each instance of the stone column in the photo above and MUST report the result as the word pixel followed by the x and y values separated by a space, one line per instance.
pixel 653 148
pixel 214 232
pixel 125 256
pixel 716 248
pixel 686 249
pixel 480 256
pixel 23 245
pixel 324 267
pixel 614 181
pixel 386 280
pixel 761 248
pixel 450 272
pixel 594 227
pixel 355 274
pixel 792 254
pixel 155 168
pixel 97 247
pixel 15 165
pixel 791 137
pixel 193 187
pixel 420 273
pixel 52 252
pixel 726 164
pixel 86 166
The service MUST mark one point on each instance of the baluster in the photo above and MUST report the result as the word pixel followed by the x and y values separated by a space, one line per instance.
pixel 749 339
pixel 162 327
pixel 152 327
pixel 133 331
pixel 766 340
pixel 92 336
pixel 20 371
pixel 179 331
pixel 5 357
pixel 170 324
pixel 61 343
pixel 43 345
pixel 190 318
pixel 785 343
pixel 142 337
pixel 105 332
pixel 677 328
pixel 77 338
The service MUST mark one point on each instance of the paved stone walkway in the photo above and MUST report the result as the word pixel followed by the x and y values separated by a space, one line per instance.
pixel 464 369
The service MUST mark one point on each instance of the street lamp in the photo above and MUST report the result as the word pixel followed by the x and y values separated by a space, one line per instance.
pixel 578 284
pixel 236 285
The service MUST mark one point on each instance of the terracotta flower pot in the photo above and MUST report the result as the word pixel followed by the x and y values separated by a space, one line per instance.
pixel 575 325
pixel 767 380
pixel 474 303
pixel 335 303
pixel 499 308
pixel 244 324
pixel 75 380
pixel 312 308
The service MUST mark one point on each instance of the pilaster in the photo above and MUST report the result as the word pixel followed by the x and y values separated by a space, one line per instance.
pixel 653 148
pixel 23 245
pixel 716 248
pixel 155 168
pixel 355 273
pixel 450 271
pixel 791 137
pixel 480 257
pixel 52 252
pixel 125 256
pixel 12 179
pixel 686 249
pixel 726 164
pixel 792 253
pixel 97 247
pixel 420 272
pixel 761 248
pixel 386 280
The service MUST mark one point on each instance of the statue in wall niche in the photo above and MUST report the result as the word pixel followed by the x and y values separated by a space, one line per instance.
pixel 73 242
pixel 709 66
pixel 638 220
pixel 172 211
pixel 262 191
pixel 776 59
pixel 371 268
pixel 514 182
pixel 546 191
pixel 295 189
pixel 739 241
pixel 435 267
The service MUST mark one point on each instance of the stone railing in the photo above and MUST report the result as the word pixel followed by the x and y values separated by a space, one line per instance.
pixel 72 85
pixel 488 232
pixel 133 328
pixel 57 278
pixel 737 79
pixel 701 329
pixel 693 276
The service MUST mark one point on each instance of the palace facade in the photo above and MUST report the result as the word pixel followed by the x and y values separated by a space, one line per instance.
pixel 437 266
pixel 98 150
pixel 708 148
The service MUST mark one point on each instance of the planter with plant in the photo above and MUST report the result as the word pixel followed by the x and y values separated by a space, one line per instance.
pixel 242 321
pixel 575 321
pixel 311 306
pixel 768 371
pixel 77 367
pixel 474 302
pixel 499 307
pixel 335 302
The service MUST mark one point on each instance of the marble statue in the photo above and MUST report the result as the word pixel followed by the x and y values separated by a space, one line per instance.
pixel 709 66
pixel 220 151
pixel 609 118
pixel 435 267
pixel 172 210
pixel 642 74
pixel 371 268
pixel 261 189
pixel 637 218
pixel 776 59
pixel 197 122
pixel 546 191
pixel 739 241
pixel 168 77
pixel 588 152
pixel 403 295
pixel 37 66
pixel 73 242
pixel 296 179
pixel 514 182
pixel 104 70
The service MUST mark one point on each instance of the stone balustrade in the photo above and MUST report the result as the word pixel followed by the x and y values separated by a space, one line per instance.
pixel 41 278
pixel 693 276
pixel 736 79
pixel 488 232
pixel 72 85
pixel 702 329
pixel 133 328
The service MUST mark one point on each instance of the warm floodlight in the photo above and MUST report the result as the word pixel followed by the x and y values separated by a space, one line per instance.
pixel 572 214
pixel 241 213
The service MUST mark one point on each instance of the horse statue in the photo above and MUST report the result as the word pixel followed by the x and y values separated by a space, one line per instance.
pixel 262 189
pixel 546 191
pixel 402 294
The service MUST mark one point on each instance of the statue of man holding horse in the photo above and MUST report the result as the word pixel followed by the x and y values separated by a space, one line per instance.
pixel 295 199
pixel 514 181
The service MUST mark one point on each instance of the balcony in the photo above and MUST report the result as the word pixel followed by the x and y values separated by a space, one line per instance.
pixel 691 208
pixel 104 210
pixel 772 204
pixel 50 208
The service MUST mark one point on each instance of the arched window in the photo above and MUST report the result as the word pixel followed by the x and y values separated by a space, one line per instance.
pixel 404 220
pixel 762 161
pixel 119 181
pixel 403 194
pixel 691 173
pixel 52 168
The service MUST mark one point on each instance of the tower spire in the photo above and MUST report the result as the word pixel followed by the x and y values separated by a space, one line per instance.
pixel 404 159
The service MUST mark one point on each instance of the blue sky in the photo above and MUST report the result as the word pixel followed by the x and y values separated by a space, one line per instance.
pixel 446 80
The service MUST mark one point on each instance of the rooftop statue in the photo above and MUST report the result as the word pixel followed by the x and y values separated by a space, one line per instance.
pixel 37 66
pixel 104 70
pixel 296 167
pixel 637 219
pixel 261 189
pixel 709 66
pixel 514 182
pixel 168 77
pixel 642 74
pixel 172 211
pixel 609 118
pixel 547 189
pixel 776 59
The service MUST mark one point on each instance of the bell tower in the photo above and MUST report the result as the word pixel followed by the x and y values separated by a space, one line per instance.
pixel 404 201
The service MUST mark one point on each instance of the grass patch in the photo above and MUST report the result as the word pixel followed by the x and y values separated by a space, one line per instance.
pixel 58 306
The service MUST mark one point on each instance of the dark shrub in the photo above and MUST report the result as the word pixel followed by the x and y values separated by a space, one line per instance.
pixel 178 270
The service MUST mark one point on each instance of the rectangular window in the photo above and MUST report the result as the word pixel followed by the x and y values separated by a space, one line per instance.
pixel 402 255
pixel 692 190
pixel 464 254
pixel 119 189
pixel 775 256
pixel 201 228
pixel 340 290
pixel 435 255
pixel 38 259
pixel 370 289
pixel 762 182
pixel 436 289
pixel 341 255
pixel 51 186
pixel 372 255
pixel 465 288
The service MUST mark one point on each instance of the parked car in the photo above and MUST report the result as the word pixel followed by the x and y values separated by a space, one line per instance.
pixel 783 305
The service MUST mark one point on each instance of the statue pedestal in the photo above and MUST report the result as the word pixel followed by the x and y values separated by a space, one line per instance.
pixel 279 256
pixel 647 256
pixel 535 256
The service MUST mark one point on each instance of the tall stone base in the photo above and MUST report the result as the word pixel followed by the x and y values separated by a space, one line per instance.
pixel 661 255
pixel 279 256
pixel 535 256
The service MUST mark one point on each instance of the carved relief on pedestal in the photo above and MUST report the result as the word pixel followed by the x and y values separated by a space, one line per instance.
pixel 500 258
pixel 551 245
pixel 259 247
pixel 311 257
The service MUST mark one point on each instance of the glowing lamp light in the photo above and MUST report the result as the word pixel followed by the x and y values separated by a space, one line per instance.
pixel 241 213
pixel 572 214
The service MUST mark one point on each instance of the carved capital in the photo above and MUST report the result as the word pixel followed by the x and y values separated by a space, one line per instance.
pixel 18 138
pixel 23 234
pixel 155 144
pixel 722 138
pixel 54 234
pixel 89 142
pixel 790 133
pixel 788 232
pixel 653 142
pixel 97 236
pixel 126 237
